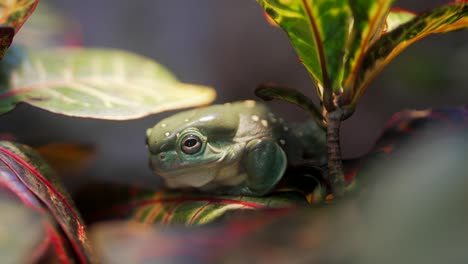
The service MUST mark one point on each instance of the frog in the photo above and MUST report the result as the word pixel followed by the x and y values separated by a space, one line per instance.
pixel 236 148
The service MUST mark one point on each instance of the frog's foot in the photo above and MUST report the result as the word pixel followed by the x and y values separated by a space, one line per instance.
pixel 265 163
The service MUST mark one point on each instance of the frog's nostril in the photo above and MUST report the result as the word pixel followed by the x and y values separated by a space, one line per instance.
pixel 162 156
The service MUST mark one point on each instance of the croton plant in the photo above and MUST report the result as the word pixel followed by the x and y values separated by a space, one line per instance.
pixel 343 44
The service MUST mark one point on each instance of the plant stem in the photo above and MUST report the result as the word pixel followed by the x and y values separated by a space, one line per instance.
pixel 335 163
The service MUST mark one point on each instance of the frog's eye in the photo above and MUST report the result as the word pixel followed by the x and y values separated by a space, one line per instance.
pixel 191 144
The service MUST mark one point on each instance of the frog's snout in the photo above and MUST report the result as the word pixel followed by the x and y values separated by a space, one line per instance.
pixel 164 160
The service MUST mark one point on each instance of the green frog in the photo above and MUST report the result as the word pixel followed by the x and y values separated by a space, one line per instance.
pixel 238 148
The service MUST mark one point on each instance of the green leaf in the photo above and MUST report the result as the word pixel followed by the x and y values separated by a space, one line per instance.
pixel 15 12
pixel 330 37
pixel 97 83
pixel 443 19
pixel 270 91
pixel 318 31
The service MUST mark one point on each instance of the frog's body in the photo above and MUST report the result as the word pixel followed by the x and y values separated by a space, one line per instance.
pixel 235 148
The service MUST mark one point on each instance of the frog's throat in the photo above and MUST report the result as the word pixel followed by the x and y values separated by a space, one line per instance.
pixel 192 176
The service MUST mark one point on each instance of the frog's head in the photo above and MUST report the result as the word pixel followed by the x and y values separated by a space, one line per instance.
pixel 186 149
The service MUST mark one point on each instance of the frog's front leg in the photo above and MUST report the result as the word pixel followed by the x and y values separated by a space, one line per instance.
pixel 264 163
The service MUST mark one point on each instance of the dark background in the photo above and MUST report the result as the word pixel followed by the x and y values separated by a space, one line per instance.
pixel 229 45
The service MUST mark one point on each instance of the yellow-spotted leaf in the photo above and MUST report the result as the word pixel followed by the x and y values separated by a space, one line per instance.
pixel 396 18
pixel 368 21
pixel 443 19
pixel 15 12
pixel 96 83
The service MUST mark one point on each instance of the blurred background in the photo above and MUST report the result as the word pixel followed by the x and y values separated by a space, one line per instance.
pixel 230 46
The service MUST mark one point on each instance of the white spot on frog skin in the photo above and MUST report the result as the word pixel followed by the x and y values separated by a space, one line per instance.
pixel 285 128
pixel 255 118
pixel 249 103
pixel 282 141
pixel 207 118
pixel 167 134
pixel 264 123
pixel 177 135
pixel 186 120
pixel 163 125
pixel 273 120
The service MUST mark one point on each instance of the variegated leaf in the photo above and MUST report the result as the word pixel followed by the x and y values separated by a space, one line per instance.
pixel 319 33
pixel 330 37
pixel 194 209
pixel 28 178
pixel 130 242
pixel 369 19
pixel 396 18
pixel 414 198
pixel 21 229
pixel 443 19
pixel 15 12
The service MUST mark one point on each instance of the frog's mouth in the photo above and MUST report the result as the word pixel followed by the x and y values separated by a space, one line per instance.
pixel 190 175
pixel 182 174
pixel 180 170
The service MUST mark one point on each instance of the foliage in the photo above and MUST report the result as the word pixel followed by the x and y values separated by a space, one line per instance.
pixel 345 44
pixel 85 82
pixel 179 208
pixel 13 14
pixel 302 186
pixel 97 83
pixel 28 181
pixel 413 200
pixel 32 183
